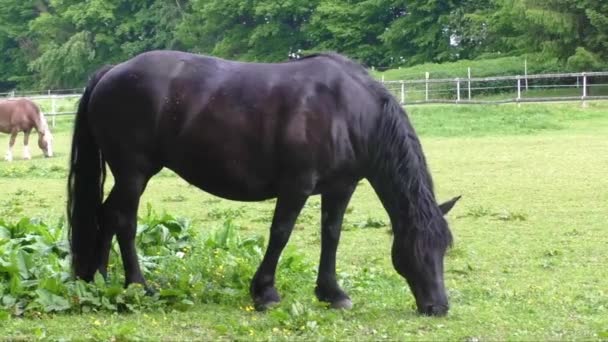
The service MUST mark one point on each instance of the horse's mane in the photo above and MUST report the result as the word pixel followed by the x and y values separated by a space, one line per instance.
pixel 399 164
pixel 400 167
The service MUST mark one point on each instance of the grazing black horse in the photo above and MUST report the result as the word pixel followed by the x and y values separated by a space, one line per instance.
pixel 251 132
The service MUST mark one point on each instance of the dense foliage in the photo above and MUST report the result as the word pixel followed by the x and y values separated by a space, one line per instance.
pixel 35 274
pixel 57 43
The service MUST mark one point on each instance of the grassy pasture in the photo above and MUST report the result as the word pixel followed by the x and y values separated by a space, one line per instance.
pixel 528 263
pixel 513 65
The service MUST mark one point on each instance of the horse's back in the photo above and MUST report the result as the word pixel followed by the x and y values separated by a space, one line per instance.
pixel 234 129
pixel 18 114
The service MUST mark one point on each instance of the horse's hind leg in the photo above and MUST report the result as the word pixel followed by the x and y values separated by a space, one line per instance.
pixel 333 206
pixel 105 245
pixel 287 209
pixel 120 217
pixel 11 143
pixel 26 147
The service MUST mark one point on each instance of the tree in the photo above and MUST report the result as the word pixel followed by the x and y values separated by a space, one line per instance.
pixel 16 46
pixel 552 27
pixel 420 33
pixel 76 37
pixel 260 30
pixel 468 26
pixel 58 43
pixel 352 27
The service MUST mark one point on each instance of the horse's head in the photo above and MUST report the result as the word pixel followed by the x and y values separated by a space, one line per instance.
pixel 45 142
pixel 418 257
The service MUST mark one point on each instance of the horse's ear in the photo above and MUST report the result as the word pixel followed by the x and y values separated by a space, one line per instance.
pixel 447 206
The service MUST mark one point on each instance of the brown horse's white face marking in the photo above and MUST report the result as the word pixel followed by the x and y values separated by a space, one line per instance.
pixel 45 138
pixel 45 142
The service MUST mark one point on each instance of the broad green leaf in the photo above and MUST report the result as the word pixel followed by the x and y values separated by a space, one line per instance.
pixel 51 302
pixel 5 234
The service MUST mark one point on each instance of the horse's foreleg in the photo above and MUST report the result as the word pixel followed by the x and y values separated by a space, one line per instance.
pixel 26 148
pixel 333 206
pixel 120 217
pixel 9 152
pixel 287 209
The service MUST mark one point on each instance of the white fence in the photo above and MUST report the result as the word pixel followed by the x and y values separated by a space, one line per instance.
pixel 51 104
pixel 505 89
pixel 468 90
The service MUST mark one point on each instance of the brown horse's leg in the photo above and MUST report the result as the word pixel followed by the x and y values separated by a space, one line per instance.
pixel 333 206
pixel 287 209
pixel 120 216
pixel 9 152
pixel 26 148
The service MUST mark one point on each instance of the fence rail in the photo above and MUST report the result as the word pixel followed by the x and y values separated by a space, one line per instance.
pixel 584 86
pixel 52 105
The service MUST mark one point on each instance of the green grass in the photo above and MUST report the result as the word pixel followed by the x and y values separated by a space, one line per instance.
pixel 498 120
pixel 506 66
pixel 528 261
pixel 61 105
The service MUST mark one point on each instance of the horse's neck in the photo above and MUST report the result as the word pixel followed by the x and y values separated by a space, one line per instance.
pixel 400 177
pixel 408 202
pixel 40 123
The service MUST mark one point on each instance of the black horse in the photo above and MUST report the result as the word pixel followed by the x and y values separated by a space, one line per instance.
pixel 251 132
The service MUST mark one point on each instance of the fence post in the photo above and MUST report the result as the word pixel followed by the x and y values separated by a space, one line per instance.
pixel 518 88
pixel 458 89
pixel 426 96
pixel 526 72
pixel 469 84
pixel 584 85
pixel 584 90
pixel 402 92
pixel 54 109
pixel 12 94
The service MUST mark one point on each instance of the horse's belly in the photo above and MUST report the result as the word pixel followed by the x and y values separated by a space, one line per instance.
pixel 235 184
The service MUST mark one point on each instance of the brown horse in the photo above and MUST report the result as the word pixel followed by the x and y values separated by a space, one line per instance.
pixel 23 115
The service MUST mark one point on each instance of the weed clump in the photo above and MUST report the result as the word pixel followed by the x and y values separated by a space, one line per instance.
pixel 183 266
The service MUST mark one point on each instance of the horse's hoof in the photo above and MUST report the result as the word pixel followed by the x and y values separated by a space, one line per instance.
pixel 434 310
pixel 345 304
pixel 266 298
pixel 263 306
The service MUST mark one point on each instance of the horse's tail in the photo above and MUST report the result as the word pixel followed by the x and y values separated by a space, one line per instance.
pixel 85 189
